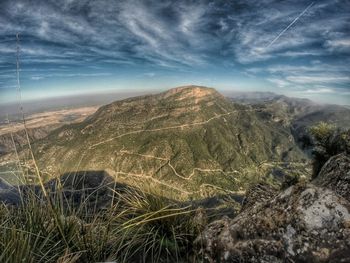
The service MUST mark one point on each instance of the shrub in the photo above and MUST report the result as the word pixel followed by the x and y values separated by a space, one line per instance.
pixel 322 131
pixel 328 141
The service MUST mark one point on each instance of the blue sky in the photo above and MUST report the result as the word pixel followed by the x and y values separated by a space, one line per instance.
pixel 297 48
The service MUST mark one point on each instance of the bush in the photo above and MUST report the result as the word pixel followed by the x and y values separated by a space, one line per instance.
pixel 322 131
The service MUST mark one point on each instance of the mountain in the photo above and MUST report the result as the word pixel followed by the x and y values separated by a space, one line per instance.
pixel 187 142
pixel 20 139
pixel 296 113
pixel 251 97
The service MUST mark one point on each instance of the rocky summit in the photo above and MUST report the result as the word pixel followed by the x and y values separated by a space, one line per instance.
pixel 189 141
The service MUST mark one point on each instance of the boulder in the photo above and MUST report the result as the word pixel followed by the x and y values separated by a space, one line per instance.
pixel 335 175
pixel 304 223
pixel 257 194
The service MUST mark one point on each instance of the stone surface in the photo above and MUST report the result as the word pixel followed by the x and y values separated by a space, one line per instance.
pixel 258 193
pixel 304 223
pixel 335 175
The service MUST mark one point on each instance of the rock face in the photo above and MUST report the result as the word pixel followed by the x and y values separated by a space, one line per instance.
pixel 335 175
pixel 304 223
pixel 258 193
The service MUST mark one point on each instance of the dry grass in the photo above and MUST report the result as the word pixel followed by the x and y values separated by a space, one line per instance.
pixel 137 227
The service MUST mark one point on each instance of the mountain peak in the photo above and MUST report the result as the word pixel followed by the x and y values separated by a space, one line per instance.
pixel 191 92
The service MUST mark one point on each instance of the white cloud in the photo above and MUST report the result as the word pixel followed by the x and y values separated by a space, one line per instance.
pixel 37 77
pixel 339 43
pixel 318 79
pixel 300 53
pixel 182 36
pixel 319 91
pixel 279 82
pixel 69 75
pixel 323 68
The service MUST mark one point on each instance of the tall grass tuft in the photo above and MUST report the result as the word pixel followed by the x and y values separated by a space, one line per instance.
pixel 153 229
pixel 136 227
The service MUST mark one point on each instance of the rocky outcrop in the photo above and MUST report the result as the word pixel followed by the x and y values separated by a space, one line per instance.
pixel 335 175
pixel 304 223
pixel 257 194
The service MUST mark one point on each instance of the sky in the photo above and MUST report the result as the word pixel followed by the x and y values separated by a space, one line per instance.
pixel 71 47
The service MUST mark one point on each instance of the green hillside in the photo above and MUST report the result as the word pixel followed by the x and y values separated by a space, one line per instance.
pixel 187 142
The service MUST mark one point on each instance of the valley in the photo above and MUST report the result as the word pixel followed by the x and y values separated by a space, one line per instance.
pixel 39 125
pixel 49 118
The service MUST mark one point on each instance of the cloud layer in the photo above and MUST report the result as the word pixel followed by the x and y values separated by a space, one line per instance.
pixel 292 45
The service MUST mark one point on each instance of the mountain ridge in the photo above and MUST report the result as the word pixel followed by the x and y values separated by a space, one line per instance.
pixel 190 140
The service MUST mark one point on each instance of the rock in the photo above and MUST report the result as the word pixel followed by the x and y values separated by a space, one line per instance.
pixel 217 206
pixel 335 175
pixel 200 219
pixel 257 194
pixel 304 223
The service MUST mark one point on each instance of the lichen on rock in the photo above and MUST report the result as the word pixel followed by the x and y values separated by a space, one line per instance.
pixel 304 223
pixel 335 175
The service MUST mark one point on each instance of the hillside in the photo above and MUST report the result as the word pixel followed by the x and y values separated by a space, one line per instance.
pixel 105 220
pixel 188 142
pixel 295 113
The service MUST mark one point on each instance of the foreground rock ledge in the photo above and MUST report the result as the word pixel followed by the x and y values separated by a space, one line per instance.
pixel 304 223
pixel 335 175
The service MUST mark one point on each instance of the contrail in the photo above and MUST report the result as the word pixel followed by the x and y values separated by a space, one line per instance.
pixel 295 20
